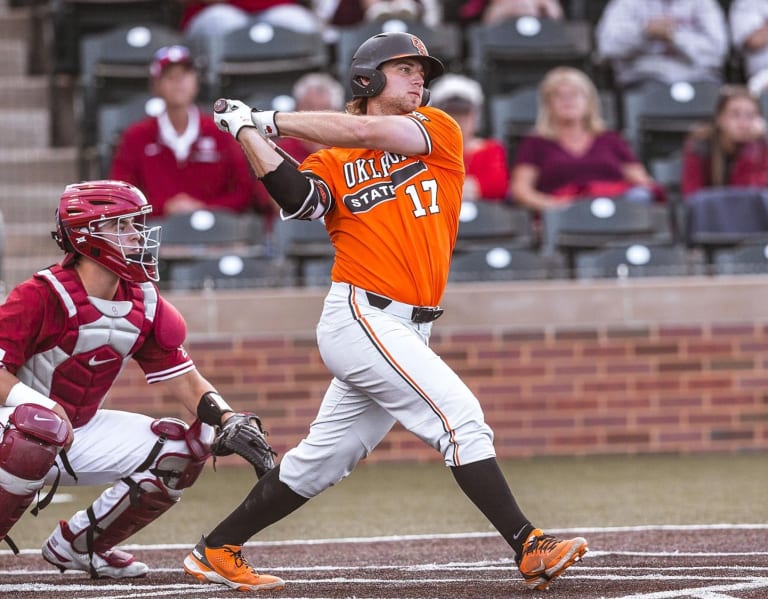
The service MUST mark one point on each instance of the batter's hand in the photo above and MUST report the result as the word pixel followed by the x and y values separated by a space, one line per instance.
pixel 265 121
pixel 232 115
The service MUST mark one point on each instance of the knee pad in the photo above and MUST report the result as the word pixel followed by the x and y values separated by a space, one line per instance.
pixel 179 469
pixel 30 442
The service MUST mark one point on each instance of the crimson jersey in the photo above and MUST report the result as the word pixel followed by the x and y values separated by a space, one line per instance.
pixel 393 219
pixel 71 347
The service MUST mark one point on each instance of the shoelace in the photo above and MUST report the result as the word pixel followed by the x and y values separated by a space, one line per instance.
pixel 240 560
pixel 543 543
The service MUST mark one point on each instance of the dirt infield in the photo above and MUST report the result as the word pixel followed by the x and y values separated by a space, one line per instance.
pixel 664 562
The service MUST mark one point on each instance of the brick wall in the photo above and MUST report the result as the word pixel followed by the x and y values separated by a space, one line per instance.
pixel 559 384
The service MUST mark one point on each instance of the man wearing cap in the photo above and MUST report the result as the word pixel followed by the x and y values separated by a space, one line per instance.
pixel 179 158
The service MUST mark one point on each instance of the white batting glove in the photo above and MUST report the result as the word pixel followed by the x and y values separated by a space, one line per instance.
pixel 232 115
pixel 265 121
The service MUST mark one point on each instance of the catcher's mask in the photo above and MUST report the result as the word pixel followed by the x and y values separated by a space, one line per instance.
pixel 106 222
pixel 381 48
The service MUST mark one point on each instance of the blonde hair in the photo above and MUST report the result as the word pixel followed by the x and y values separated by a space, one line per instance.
pixel 593 120
pixel 357 106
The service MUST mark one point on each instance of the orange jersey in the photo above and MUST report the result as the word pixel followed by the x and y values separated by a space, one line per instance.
pixel 394 218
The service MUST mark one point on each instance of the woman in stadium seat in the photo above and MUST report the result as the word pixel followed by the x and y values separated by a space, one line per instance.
pixel 570 154
pixel 732 149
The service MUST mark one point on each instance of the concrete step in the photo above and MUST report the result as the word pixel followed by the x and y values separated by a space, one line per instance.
pixel 25 128
pixel 14 53
pixel 29 239
pixel 16 269
pixel 29 203
pixel 23 91
pixel 38 165
pixel 15 23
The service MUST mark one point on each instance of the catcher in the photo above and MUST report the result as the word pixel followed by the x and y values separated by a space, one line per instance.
pixel 65 335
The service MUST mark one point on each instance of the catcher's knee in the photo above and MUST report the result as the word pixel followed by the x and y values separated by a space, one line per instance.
pixel 178 465
pixel 29 444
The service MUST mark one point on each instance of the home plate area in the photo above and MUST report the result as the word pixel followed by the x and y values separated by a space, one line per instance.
pixel 652 562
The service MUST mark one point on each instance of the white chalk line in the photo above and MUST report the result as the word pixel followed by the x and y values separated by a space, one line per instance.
pixel 443 536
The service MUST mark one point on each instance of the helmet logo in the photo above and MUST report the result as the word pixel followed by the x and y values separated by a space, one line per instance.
pixel 420 47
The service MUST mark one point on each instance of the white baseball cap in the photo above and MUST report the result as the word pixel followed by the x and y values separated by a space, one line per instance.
pixel 456 92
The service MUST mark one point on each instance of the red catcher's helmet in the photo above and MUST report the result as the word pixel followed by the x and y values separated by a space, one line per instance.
pixel 381 48
pixel 129 249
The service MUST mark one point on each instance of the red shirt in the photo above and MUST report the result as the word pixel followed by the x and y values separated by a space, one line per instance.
pixel 487 162
pixel 747 168
pixel 215 172
pixel 560 170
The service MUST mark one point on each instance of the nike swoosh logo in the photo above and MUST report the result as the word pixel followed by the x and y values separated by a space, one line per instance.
pixel 41 419
pixel 94 362
pixel 519 532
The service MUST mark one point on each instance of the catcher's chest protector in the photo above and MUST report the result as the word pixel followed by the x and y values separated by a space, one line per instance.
pixel 78 371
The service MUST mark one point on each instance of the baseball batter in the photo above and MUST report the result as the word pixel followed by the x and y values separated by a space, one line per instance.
pixel 65 336
pixel 389 190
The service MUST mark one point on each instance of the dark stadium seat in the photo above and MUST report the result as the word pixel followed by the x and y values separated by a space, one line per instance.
pixel 722 217
pixel 230 271
pixel 658 117
pixel 504 263
pixel 594 223
pixel 302 242
pixel 639 260
pixel 506 55
pixel 260 55
pixel 483 224
pixel 73 19
pixel 749 258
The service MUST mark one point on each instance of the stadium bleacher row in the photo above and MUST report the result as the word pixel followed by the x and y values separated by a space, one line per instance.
pixel 106 46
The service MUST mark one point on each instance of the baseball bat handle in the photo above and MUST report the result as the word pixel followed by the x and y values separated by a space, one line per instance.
pixel 221 105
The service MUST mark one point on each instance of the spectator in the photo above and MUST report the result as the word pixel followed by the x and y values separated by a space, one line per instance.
pixel 749 28
pixel 494 11
pixel 570 153
pixel 179 159
pixel 663 40
pixel 313 91
pixel 730 150
pixel 485 160
pixel 209 18
pixel 349 13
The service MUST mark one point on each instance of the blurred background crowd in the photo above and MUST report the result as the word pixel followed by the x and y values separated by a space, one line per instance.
pixel 602 138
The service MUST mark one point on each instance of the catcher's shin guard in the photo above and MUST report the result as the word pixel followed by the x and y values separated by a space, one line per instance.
pixel 154 488
pixel 28 447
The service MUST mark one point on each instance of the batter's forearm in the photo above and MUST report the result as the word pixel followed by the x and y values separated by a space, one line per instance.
pixel 261 156
pixel 395 134
pixel 283 181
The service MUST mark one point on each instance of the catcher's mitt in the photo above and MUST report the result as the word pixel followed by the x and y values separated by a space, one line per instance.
pixel 243 434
